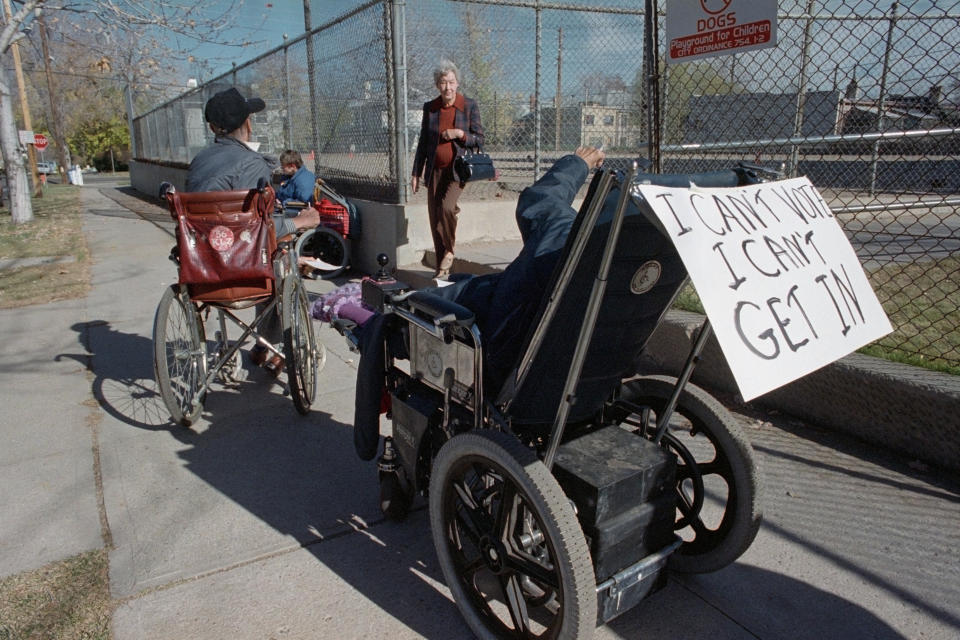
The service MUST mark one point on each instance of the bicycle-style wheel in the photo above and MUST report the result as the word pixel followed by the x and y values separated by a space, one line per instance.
pixel 508 541
pixel 299 343
pixel 179 355
pixel 718 483
pixel 327 246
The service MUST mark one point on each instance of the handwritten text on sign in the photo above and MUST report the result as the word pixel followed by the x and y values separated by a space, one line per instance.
pixel 778 279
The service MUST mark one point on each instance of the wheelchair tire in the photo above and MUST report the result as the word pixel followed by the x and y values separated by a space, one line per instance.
pixel 299 344
pixel 327 245
pixel 508 541
pixel 718 483
pixel 179 355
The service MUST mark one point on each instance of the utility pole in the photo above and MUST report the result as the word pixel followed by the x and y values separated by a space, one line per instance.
pixel 27 124
pixel 55 121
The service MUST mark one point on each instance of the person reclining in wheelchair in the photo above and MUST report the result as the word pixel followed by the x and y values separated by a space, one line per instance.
pixel 518 413
pixel 504 303
pixel 230 163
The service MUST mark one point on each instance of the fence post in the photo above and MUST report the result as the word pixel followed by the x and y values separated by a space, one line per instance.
pixel 397 82
pixel 801 92
pixel 882 102
pixel 536 98
pixel 312 83
pixel 557 100
pixel 651 74
pixel 287 125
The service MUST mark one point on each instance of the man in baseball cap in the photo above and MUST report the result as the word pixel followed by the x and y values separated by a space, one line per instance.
pixel 232 163
pixel 228 110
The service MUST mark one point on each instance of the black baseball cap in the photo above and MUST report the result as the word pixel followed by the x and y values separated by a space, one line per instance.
pixel 228 109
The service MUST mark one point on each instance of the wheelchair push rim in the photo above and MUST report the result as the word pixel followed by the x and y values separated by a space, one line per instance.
pixel 508 542
pixel 300 344
pixel 179 355
pixel 329 247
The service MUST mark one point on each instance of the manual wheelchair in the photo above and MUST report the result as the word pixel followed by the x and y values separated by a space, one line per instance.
pixel 558 496
pixel 185 363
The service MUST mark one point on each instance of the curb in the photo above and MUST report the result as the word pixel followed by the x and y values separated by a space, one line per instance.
pixel 907 409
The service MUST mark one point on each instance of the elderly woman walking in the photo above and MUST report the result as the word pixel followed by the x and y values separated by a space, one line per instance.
pixel 451 124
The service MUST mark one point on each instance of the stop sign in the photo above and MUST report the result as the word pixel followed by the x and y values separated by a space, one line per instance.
pixel 40 141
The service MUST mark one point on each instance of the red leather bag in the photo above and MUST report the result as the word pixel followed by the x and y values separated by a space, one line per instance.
pixel 226 241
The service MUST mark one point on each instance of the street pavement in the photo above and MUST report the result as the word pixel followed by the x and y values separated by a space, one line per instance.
pixel 261 523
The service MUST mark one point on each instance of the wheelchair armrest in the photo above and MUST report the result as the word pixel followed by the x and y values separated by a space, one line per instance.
pixel 440 310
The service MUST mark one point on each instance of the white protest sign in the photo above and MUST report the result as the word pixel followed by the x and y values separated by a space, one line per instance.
pixel 781 284
pixel 705 28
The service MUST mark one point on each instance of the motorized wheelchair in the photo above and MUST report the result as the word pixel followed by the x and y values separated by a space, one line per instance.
pixel 559 495
pixel 185 363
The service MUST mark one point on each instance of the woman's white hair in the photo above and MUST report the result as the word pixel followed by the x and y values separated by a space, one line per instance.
pixel 442 69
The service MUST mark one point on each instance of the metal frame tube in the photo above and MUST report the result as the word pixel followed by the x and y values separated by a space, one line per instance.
pixel 567 398
pixel 563 280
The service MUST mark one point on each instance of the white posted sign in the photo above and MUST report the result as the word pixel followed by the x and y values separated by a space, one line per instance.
pixel 706 28
pixel 781 284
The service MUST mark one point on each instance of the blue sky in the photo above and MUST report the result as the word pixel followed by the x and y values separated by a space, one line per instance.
pixel 264 24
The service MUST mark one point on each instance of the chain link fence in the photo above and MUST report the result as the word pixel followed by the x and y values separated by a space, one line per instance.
pixel 861 96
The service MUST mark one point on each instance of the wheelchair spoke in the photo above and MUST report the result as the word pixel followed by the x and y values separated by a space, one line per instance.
pixel 714 467
pixel 476 514
pixel 467 525
pixel 516 604
pixel 508 499
pixel 542 575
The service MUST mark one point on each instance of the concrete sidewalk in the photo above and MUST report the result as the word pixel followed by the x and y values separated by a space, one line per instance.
pixel 260 523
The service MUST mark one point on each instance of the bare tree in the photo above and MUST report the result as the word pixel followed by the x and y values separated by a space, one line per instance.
pixel 130 42
pixel 20 207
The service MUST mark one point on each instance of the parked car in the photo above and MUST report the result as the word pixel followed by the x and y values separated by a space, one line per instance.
pixel 46 167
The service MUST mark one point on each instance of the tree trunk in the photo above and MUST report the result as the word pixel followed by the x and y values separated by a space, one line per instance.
pixel 21 208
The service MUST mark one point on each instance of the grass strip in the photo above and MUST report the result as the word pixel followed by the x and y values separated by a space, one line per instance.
pixel 64 600
pixel 921 300
pixel 55 238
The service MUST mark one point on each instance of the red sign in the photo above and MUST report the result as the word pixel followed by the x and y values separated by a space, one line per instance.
pixel 40 141
pixel 738 37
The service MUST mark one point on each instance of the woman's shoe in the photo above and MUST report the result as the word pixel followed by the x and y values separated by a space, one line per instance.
pixel 441 274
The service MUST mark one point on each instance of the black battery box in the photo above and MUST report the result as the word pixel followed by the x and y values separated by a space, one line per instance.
pixel 622 486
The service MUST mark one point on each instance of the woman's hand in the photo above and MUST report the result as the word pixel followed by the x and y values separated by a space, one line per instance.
pixel 452 134
pixel 415 183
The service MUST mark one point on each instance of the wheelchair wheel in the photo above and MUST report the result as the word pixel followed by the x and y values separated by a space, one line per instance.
pixel 179 355
pixel 299 344
pixel 508 542
pixel 328 246
pixel 718 484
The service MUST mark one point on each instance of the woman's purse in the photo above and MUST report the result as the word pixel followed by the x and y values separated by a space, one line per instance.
pixel 474 165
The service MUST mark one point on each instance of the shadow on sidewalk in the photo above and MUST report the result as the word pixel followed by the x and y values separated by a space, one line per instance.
pixel 301 477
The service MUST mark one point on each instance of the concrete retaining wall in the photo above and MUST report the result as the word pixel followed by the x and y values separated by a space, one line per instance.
pixel 400 231
pixel 908 409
